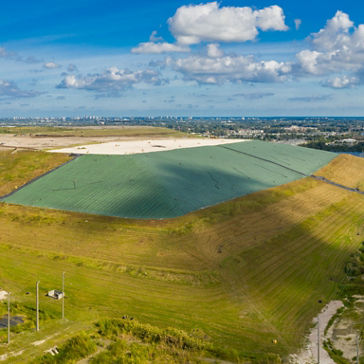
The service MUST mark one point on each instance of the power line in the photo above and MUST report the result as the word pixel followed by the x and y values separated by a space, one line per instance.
pixel 9 318
pixel 37 306
pixel 63 295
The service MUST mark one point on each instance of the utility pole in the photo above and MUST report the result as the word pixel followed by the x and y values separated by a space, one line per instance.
pixel 357 349
pixel 8 318
pixel 63 295
pixel 37 306
pixel 318 339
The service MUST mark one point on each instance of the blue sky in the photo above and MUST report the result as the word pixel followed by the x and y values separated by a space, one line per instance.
pixel 181 58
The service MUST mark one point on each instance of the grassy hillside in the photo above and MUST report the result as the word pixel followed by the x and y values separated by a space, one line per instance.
pixel 19 167
pixel 245 272
pixel 170 183
pixel 346 170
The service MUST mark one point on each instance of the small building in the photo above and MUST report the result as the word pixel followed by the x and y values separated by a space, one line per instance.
pixel 350 141
pixel 56 294
pixel 3 295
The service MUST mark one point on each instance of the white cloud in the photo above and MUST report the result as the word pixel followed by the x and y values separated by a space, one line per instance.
pixel 335 34
pixel 214 51
pixel 297 23
pixel 193 24
pixel 158 48
pixel 308 61
pixel 154 37
pixel 223 69
pixel 270 18
pixel 341 82
pixel 338 47
pixel 112 81
pixel 51 65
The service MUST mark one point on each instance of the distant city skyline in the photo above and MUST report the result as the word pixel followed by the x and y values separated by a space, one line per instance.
pixel 192 58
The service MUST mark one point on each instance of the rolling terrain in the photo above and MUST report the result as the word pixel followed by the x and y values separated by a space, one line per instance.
pixel 246 272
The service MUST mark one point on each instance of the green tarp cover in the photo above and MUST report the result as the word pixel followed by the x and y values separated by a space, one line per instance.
pixel 171 183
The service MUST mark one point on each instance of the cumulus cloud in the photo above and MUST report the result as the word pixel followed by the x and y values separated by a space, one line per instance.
pixel 9 89
pixel 208 70
pixel 158 48
pixel 342 82
pixel 214 51
pixel 112 81
pixel 193 24
pixel 335 34
pixel 156 45
pixel 51 65
pixel 336 48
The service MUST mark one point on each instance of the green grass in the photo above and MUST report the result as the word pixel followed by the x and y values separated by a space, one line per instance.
pixel 129 341
pixel 74 349
pixel 124 131
pixel 244 272
pixel 19 167
pixel 168 184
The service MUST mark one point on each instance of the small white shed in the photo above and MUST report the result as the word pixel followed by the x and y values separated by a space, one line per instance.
pixel 56 294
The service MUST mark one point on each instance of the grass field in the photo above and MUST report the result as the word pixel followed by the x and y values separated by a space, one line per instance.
pixel 244 272
pixel 41 131
pixel 171 183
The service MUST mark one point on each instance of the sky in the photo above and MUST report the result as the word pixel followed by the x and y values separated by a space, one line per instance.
pixel 181 58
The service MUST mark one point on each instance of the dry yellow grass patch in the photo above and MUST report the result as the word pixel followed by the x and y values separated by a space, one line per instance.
pixel 346 169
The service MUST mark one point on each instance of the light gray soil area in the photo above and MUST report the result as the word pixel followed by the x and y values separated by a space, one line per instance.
pixel 27 142
pixel 344 332
pixel 310 353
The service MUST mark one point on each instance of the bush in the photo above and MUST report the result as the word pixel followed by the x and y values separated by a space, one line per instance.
pixel 71 351
pixel 151 334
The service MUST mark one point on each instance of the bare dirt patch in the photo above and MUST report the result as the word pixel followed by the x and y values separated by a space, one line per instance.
pixel 40 138
pixel 123 147
pixel 47 142
pixel 310 353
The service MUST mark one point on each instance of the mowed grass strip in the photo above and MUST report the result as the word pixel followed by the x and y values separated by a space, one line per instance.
pixel 169 184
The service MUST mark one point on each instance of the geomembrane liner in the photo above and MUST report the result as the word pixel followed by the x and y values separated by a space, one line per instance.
pixel 171 183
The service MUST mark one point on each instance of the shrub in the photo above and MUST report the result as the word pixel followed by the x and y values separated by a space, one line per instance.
pixel 71 351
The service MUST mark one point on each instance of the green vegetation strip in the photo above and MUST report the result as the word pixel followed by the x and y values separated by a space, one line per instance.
pixel 169 184
pixel 131 131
